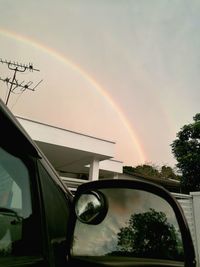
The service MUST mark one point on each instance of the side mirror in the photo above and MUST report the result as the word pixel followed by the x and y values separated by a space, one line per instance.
pixel 128 223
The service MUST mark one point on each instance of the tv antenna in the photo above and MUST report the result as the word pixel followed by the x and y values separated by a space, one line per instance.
pixel 13 83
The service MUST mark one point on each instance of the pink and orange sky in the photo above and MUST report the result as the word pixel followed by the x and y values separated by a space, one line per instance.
pixel 126 71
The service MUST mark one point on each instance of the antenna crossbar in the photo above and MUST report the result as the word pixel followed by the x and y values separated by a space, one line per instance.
pixel 13 65
pixel 13 82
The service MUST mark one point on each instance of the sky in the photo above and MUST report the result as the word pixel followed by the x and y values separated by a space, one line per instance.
pixel 125 71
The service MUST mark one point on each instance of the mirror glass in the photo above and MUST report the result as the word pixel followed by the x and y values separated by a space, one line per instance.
pixel 91 208
pixel 138 226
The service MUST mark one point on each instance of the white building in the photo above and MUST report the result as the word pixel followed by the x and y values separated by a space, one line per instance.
pixel 76 157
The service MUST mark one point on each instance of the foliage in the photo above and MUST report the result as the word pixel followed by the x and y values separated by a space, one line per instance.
pixel 186 149
pixel 148 170
pixel 145 169
pixel 149 235
pixel 168 173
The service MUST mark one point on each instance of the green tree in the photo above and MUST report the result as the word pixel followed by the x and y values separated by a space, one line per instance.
pixel 149 235
pixel 148 170
pixel 168 173
pixel 145 169
pixel 186 149
pixel 153 171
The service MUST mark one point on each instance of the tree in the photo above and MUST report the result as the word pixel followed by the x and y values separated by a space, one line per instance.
pixel 145 169
pixel 149 235
pixel 168 173
pixel 148 170
pixel 186 149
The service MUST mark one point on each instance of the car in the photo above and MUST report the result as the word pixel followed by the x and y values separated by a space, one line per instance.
pixel 107 222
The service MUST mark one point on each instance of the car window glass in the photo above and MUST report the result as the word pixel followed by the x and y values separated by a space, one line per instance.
pixel 15 203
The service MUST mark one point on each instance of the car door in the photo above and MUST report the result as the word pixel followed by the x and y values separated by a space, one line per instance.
pixel 20 221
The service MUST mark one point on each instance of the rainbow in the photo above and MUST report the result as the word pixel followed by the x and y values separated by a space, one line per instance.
pixel 58 56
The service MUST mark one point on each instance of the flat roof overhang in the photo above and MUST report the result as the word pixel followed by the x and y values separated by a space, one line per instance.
pixel 71 152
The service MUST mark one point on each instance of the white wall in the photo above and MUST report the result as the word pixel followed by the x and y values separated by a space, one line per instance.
pixel 191 205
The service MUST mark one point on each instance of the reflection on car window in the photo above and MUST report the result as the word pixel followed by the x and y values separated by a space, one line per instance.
pixel 138 225
pixel 15 202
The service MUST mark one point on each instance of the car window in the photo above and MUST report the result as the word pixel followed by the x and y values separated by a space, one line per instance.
pixel 16 212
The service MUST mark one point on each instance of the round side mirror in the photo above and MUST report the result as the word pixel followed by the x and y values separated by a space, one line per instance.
pixel 91 207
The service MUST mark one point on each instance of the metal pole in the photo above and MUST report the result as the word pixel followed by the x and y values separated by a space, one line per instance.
pixel 11 85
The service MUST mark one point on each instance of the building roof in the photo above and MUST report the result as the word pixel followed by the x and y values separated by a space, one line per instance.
pixel 170 184
pixel 72 152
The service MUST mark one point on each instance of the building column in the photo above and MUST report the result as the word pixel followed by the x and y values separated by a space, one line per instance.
pixel 116 175
pixel 94 170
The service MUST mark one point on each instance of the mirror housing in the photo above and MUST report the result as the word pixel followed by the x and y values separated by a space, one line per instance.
pixel 101 192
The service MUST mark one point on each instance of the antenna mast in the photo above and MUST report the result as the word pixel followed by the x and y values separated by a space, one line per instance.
pixel 13 82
